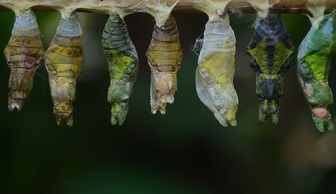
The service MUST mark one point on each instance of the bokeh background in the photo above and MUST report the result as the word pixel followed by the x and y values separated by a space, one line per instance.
pixel 185 151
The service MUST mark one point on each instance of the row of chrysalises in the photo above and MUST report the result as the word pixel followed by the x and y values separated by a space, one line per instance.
pixel 270 53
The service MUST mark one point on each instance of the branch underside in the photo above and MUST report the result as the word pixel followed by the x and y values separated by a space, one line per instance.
pixel 105 6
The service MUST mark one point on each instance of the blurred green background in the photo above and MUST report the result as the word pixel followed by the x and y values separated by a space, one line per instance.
pixel 185 151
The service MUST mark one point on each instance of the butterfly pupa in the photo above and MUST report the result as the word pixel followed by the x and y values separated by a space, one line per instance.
pixel 122 60
pixel 164 57
pixel 63 61
pixel 216 69
pixel 24 53
pixel 270 54
pixel 315 53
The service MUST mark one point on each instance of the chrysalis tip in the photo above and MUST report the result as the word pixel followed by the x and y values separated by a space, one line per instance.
pixel 16 100
pixel 63 113
pixel 224 121
pixel 15 105
pixel 158 107
pixel 269 109
pixel 323 125
pixel 116 120
pixel 262 116
pixel 275 119
pixel 119 113
pixel 233 123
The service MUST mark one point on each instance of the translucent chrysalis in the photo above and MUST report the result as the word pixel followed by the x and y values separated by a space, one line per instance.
pixel 216 69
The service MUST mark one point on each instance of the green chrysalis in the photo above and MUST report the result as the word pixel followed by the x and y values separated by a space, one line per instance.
pixel 314 59
pixel 122 60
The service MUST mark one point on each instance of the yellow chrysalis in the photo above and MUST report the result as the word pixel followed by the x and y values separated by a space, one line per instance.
pixel 64 61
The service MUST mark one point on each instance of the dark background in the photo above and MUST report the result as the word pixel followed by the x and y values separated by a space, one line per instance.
pixel 184 151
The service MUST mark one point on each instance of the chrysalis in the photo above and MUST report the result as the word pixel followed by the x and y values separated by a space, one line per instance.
pixel 216 69
pixel 122 61
pixel 164 57
pixel 314 59
pixel 24 53
pixel 270 52
pixel 64 61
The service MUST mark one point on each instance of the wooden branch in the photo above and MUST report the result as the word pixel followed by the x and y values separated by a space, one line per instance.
pixel 105 6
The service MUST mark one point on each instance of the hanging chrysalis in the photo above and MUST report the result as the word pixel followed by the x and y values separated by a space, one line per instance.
pixel 216 69
pixel 122 61
pixel 164 57
pixel 314 59
pixel 64 61
pixel 24 53
pixel 270 52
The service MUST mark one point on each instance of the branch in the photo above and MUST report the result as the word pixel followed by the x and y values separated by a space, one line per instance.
pixel 105 6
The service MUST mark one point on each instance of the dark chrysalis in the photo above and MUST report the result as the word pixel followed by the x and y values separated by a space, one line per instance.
pixel 123 62
pixel 270 54
pixel 314 60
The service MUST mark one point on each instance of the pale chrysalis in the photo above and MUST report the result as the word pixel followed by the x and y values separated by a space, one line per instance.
pixel 216 69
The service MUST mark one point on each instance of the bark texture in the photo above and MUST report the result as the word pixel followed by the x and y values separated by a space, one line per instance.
pixel 105 6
